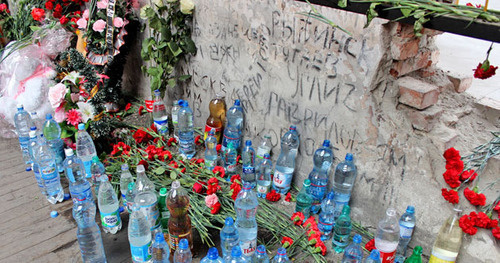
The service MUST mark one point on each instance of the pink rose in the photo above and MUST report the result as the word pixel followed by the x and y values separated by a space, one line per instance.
pixel 82 23
pixel 86 14
pixel 56 95
pixel 211 200
pixel 60 114
pixel 102 4
pixel 118 22
pixel 99 25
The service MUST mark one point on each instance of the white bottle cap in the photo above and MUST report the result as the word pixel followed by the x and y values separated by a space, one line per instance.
pixel 20 106
pixel 68 152
pixel 32 134
pixel 140 168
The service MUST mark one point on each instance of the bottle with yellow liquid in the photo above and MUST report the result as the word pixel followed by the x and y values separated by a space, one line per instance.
pixel 448 241
pixel 217 116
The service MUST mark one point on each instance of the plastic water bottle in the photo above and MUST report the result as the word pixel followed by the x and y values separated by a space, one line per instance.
pixel 322 159
pixel 52 133
pixel 229 160
pixel 79 187
pixel 23 123
pixel 183 253
pixel 142 182
pixel 264 147
pixel 281 256
pixel 160 115
pixel 85 148
pixel 147 201
pixel 139 236
pixel 37 122
pixel 342 230
pixel 285 166
pixel 304 199
pixel 161 251
pixel 237 256
pixel 374 257
pixel 130 196
pixel 353 253
pixel 186 131
pixel 125 179
pixel 212 256
pixel 263 175
pixel 109 207
pixel 406 226
pixel 234 126
pixel 326 218
pixel 97 171
pixel 261 255
pixel 228 237
pixel 248 157
pixel 175 117
pixel 33 144
pixel 345 175
pixel 246 208
pixel 386 240
pixel 210 150
pixel 46 160
pixel 88 233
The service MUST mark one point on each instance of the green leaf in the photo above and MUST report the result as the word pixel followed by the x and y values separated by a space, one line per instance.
pixel 406 11
pixel 171 82
pixel 342 3
pixel 160 170
pixel 155 23
pixel 190 46
pixel 150 12
pixel 153 71
pixel 66 133
pixel 35 28
pixel 174 48
pixel 173 174
pixel 184 77
pixel 371 14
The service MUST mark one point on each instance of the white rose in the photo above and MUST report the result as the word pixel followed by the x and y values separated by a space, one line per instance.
pixel 187 6
pixel 143 12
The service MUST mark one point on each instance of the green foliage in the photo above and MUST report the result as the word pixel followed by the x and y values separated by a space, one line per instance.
pixel 19 25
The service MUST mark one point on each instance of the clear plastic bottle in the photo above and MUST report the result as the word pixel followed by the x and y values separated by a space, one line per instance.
pixel 228 237
pixel 264 146
pixel 46 160
pixel 183 253
pixel 109 207
pixel 261 255
pixel 342 230
pixel 285 166
pixel 175 117
pixel 88 233
pixel 211 150
pixel 304 199
pixel 237 256
pixel 186 131
pixel 281 256
pixel 387 237
pixel 263 175
pixel 34 165
pixel 52 133
pixel 248 157
pixel 131 192
pixel 374 257
pixel 246 208
pixel 353 253
pixel 416 257
pixel 448 241
pixel 97 171
pixel 234 126
pixel 125 179
pixel 79 187
pixel 161 251
pixel 85 148
pixel 148 203
pixel 142 182
pixel 326 218
pixel 322 159
pixel 212 256
pixel 23 123
pixel 139 236
pixel 345 175
pixel 179 224
pixel 230 156
pixel 406 226
pixel 215 121
pixel 160 114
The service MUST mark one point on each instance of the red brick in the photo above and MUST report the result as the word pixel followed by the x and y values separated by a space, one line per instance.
pixel 416 93
pixel 403 67
pixel 460 82
pixel 426 119
pixel 403 30
pixel 404 48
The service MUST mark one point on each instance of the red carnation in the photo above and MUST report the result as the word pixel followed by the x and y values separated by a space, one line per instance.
pixel 173 164
pixel 314 238
pixel 484 70
pixel 200 161
pixel 235 188
pixel 127 107
pixel 492 223
pixel 141 109
pixel 141 136
pixel 219 170
pixel 144 163
pixel 450 195
pixel 286 241
pixel 288 197
pixel 482 220
pixel 452 178
pixel 475 198
pixel 273 196
pixel 310 222
pixel 497 207
pixel 215 208
pixel 197 188
pixel 213 186
pixel 451 154
pixel 313 230
pixel 297 218
pixel 370 245
pixel 198 140
pixel 58 8
pixel 468 175
pixel 218 147
pixel 63 20
pixel 236 177
pixel 171 141
pixel 320 247
pixel 3 7
pixel 38 14
pixel 467 225
pixel 496 232
pixel 456 165
pixel 49 5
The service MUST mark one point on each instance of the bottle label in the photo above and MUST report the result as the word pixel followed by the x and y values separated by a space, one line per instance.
pixel 217 134
pixel 110 220
pixel 405 232
pixel 184 145
pixel 248 170
pixel 85 194
pixel 161 126
pixel 87 165
pixel 435 259
pixel 282 180
pixel 51 181
pixel 248 247
pixel 442 256
pixel 340 240
pixel 325 228
pixel 38 177
pixel 174 240
pixel 124 201
pixel 261 152
pixel 165 214
pixel 387 257
pixel 141 254
pixel 152 214
pixel 318 193
pixel 231 168
pixel 262 189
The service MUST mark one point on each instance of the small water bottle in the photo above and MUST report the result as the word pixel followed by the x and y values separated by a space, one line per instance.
pixel 212 256
pixel 353 253
pixel 234 126
pixel 161 250
pixel 263 175
pixel 248 157
pixel 160 115
pixel 175 117
pixel 88 233
pixel 186 131
pixel 374 257
pixel 125 180
pixel 326 217
pixel 285 166
pixel 342 230
pixel 34 165
pixel 46 160
pixel 322 159
pixel 228 237
pixel 345 175
pixel 406 226
pixel 130 196
pixel 79 187
pixel 109 207
pixel 211 150
pixel 139 236
pixel 85 148
pixel 261 255
pixel 52 133
pixel 183 253
pixel 237 256
pixel 23 123
pixel 264 147
pixel 230 156
pixel 97 171
pixel 281 256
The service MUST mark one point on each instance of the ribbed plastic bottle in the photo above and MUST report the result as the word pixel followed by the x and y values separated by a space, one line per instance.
pixel 147 199
pixel 322 160
pixel 79 187
pixel 161 250
pixel 326 217
pixel 234 126
pixel 88 233
pixel 264 147
pixel 261 255
pixel 109 207
pixel 448 241
pixel 85 148
pixel 211 150
pixel 125 179
pixel 183 253
pixel 52 133
pixel 186 131
pixel 45 158
pixel 34 165
pixel 139 236
pixel 374 257
pixel 237 256
pixel 212 256
pixel 228 237
pixel 285 166
pixel 304 199
pixel 387 237
pixel 175 117
pixel 97 171
pixel 281 256
pixel 215 121
pixel 345 175
pixel 248 157
pixel 416 257
pixel 179 224
pixel 23 123
pixel 353 253
pixel 342 230
pixel 131 192
pixel 245 205
pixel 263 175
pixel 160 114
pixel 406 226
pixel 229 160
pixel 162 208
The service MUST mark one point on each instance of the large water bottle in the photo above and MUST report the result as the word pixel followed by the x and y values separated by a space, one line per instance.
pixel 23 123
pixel 374 257
pixel 322 160
pixel 46 160
pixel 52 133
pixel 342 230
pixel 281 256
pixel 175 117
pixel 125 179
pixel 139 236
pixel 212 256
pixel 304 199
pixel 79 187
pixel 326 218
pixel 97 170
pixel 34 165
pixel 353 253
pixel 285 166
pixel 229 160
pixel 228 237
pixel 161 250
pixel 406 226
pixel 109 207
pixel 263 175
pixel 246 208
pixel 261 255
pixel 85 148
pixel 88 233
pixel 386 240
pixel 186 131
pixel 142 182
pixel 210 150
pixel 345 175
pixel 183 253
pixel 248 157
pixel 234 126
pixel 160 115
pixel 264 146
pixel 237 256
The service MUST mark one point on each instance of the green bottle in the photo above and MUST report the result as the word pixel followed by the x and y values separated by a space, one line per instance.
pixel 342 230
pixel 416 257
pixel 164 213
pixel 304 199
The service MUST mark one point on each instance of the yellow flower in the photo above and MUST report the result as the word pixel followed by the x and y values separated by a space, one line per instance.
pixel 187 6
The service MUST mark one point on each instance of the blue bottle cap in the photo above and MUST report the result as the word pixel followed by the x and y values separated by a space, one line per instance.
pixel 229 221
pixel 157 91
pixel 185 104
pixel 330 195
pixel 183 244
pixel 375 254
pixel 261 249
pixel 67 196
pixel 281 251
pixel 28 168
pixel 348 157
pixel 179 102
pixel 326 143
pixel 54 214
pixel 236 252
pixel 159 238
pixel 81 126
pixel 410 210
pixel 124 167
pixel 213 253
pixel 236 102
pixel 33 128
pixel 293 127
pixel 357 239
pixel 248 143
pixel 307 183
pixel 48 116
pixel 120 210
pixel 267 156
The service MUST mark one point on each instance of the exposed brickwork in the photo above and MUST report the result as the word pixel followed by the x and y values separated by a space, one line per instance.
pixel 416 93
pixel 460 82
